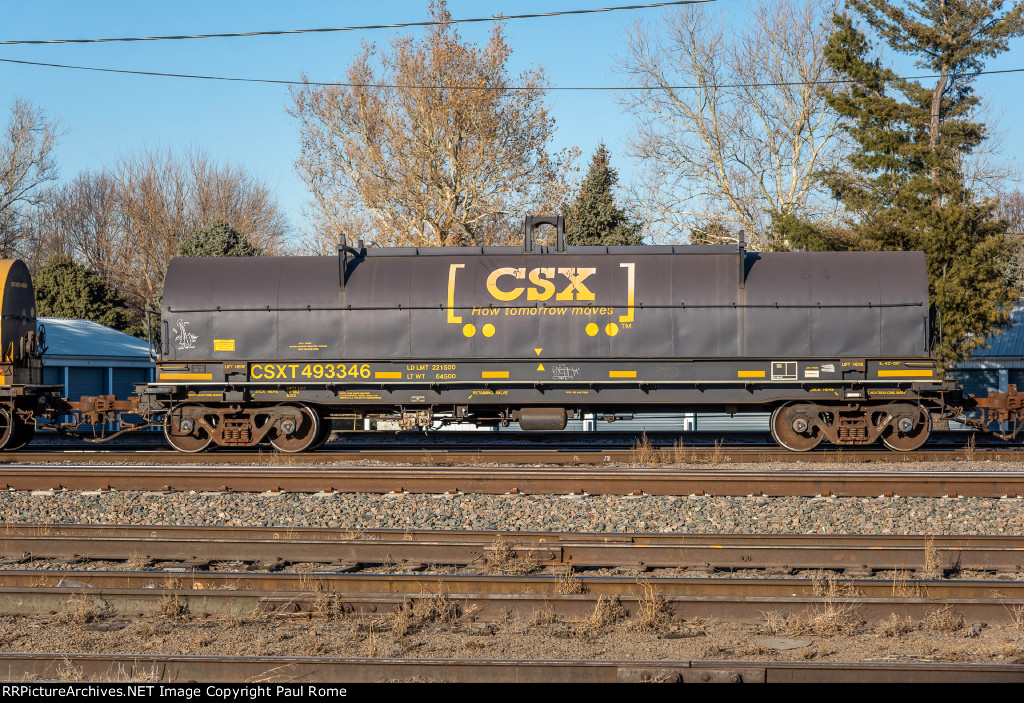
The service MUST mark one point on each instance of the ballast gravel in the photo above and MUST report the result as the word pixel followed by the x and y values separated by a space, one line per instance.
pixel 659 514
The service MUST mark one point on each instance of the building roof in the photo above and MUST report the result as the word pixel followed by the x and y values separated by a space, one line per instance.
pixel 90 340
pixel 1009 344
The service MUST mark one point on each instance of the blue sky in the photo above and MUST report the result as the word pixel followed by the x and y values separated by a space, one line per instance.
pixel 247 124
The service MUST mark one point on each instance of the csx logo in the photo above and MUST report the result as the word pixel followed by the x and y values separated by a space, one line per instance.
pixel 502 283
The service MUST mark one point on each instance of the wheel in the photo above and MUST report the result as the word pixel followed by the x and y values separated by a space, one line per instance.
pixel 21 436
pixel 189 438
pixel 302 437
pixel 325 434
pixel 786 436
pixel 899 441
pixel 6 429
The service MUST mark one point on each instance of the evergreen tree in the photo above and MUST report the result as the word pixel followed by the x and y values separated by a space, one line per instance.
pixel 593 218
pixel 218 238
pixel 790 233
pixel 68 289
pixel 711 232
pixel 903 184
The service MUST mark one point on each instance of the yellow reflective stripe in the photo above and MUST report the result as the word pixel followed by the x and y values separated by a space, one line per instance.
pixel 889 373
pixel 750 374
pixel 186 377
pixel 622 374
pixel 387 374
pixel 495 374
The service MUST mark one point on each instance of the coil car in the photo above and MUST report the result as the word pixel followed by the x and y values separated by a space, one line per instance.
pixel 836 345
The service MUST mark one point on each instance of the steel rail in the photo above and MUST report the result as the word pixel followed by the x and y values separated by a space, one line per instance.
pixel 497 481
pixel 461 456
pixel 311 585
pixel 494 598
pixel 292 674
pixel 349 549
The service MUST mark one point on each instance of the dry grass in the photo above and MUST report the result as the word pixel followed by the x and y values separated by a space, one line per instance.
pixel 607 612
pixel 570 583
pixel 429 608
pixel 653 611
pixel 969 448
pixel 896 626
pixel 503 559
pixel 833 619
pixel 312 583
pixel 717 454
pixel 904 587
pixel 932 561
pixel 174 608
pixel 137 561
pixel 82 610
pixel 825 584
pixel 373 648
pixel 329 606
pixel 681 455
pixel 435 608
pixel 546 616
pixel 834 458
pixel 825 619
pixel 775 623
pixel 644 453
pixel 1017 617
pixel 67 671
pixel 945 620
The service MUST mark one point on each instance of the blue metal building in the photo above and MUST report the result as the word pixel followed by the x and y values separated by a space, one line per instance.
pixel 90 359
pixel 995 368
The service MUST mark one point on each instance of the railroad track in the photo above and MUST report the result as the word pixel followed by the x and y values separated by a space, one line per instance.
pixel 284 675
pixel 446 455
pixel 504 480
pixel 195 548
pixel 488 598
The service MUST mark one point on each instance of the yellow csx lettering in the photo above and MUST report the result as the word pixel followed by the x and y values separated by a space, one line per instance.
pixel 270 372
pixel 543 286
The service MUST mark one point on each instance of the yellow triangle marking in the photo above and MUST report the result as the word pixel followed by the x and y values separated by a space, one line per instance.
pixel 540 367
pixel 538 351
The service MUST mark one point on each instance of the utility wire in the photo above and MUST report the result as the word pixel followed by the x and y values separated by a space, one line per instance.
pixel 446 86
pixel 397 25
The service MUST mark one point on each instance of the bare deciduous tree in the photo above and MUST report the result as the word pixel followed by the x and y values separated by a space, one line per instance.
pixel 26 165
pixel 127 221
pixel 429 144
pixel 730 123
pixel 79 220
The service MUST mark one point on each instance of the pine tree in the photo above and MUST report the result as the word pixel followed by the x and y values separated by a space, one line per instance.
pixel 68 289
pixel 218 238
pixel 711 232
pixel 904 184
pixel 593 218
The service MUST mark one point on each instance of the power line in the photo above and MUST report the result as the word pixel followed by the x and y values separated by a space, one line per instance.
pixel 397 25
pixel 836 81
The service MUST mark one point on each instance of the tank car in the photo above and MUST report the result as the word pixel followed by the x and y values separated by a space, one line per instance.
pixel 836 345
pixel 23 396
